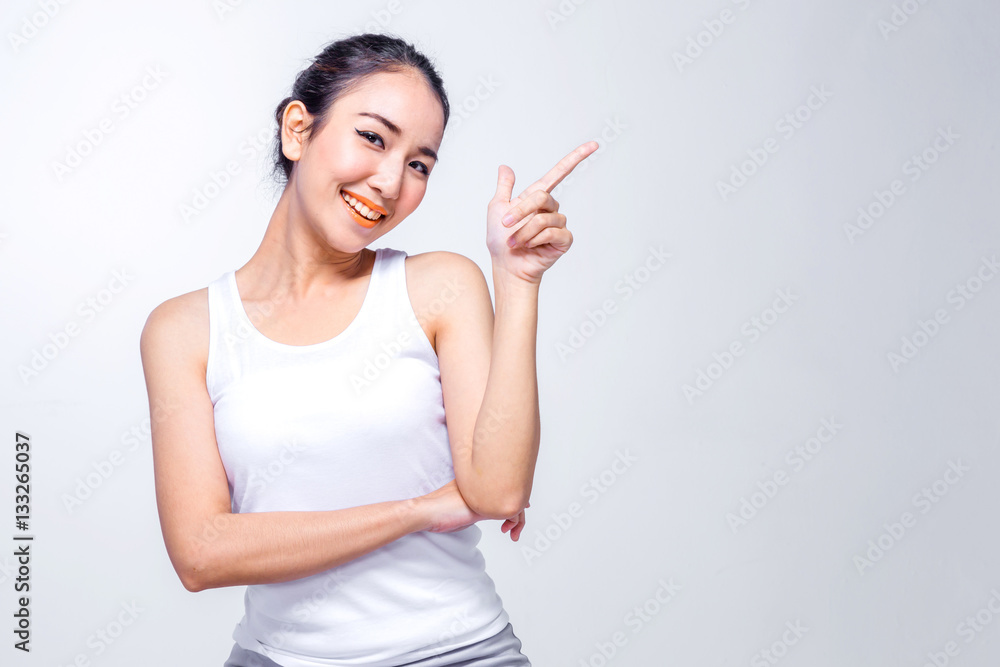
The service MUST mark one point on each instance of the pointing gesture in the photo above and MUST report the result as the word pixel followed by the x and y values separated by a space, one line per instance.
pixel 526 234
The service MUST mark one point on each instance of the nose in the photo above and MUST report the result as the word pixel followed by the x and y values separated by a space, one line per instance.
pixel 388 179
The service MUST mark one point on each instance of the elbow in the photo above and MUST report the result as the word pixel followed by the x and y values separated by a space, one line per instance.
pixel 190 583
pixel 499 506
pixel 192 568
pixel 192 578
pixel 489 496
pixel 518 506
pixel 200 560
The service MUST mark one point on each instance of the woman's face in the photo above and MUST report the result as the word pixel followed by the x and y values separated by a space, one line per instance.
pixel 378 147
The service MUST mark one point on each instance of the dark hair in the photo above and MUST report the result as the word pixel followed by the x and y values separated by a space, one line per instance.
pixel 341 66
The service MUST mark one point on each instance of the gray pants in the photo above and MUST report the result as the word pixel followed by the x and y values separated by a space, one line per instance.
pixel 501 650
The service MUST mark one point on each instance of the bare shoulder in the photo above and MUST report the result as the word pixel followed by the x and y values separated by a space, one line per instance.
pixel 438 279
pixel 179 326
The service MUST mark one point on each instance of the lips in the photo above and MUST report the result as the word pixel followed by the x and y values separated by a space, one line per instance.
pixel 365 212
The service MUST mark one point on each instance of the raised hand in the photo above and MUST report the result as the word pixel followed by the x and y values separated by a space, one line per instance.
pixel 531 219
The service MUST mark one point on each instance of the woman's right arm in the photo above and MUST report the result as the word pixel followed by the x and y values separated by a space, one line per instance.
pixel 208 545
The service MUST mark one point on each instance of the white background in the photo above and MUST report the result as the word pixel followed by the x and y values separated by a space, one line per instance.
pixel 671 131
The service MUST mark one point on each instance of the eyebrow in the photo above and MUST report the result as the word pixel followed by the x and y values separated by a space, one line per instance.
pixel 392 127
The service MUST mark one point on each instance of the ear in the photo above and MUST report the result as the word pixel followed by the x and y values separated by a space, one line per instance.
pixel 295 122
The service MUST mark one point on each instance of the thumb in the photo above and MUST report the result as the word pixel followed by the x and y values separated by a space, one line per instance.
pixel 505 184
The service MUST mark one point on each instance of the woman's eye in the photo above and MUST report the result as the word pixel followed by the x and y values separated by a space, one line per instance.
pixel 368 135
pixel 421 167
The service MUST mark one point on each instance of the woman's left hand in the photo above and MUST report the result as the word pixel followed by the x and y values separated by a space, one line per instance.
pixel 539 230
pixel 515 524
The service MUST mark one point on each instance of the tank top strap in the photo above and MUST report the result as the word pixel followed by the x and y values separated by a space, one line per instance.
pixel 226 329
pixel 401 320
pixel 386 318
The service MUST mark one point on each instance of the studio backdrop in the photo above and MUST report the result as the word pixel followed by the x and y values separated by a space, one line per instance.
pixel 767 366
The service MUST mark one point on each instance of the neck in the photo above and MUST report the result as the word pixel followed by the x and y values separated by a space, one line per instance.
pixel 294 258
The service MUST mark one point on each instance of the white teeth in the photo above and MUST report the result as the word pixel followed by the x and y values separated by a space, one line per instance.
pixel 361 208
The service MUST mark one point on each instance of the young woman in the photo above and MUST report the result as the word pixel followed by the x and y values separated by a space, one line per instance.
pixel 331 421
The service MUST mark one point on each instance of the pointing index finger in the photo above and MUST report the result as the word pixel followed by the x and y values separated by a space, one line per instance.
pixel 562 169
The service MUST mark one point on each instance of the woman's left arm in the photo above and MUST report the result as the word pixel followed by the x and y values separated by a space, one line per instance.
pixel 488 362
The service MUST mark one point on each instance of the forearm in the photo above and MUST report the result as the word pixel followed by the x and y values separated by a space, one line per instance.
pixel 271 547
pixel 507 433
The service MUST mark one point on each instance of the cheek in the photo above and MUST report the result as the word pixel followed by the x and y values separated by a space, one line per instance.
pixel 413 194
pixel 342 161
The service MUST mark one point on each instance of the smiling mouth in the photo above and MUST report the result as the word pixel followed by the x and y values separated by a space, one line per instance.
pixel 365 212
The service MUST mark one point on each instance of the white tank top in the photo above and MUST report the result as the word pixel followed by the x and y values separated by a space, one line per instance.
pixel 354 420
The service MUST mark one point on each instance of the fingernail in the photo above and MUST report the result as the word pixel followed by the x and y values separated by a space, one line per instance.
pixel 507 219
pixel 511 241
